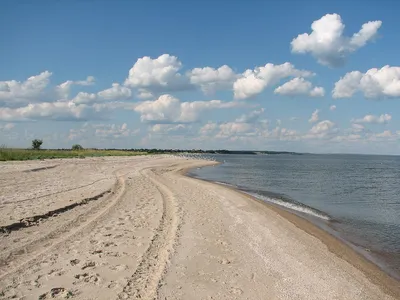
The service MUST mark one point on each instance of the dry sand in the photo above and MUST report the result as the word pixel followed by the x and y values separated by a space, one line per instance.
pixel 136 228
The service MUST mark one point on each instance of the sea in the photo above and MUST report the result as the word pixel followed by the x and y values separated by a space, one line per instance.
pixel 354 197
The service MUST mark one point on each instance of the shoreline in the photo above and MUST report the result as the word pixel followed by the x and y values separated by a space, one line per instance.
pixel 160 234
pixel 376 274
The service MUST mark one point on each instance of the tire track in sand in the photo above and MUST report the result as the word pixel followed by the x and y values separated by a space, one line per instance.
pixel 28 255
pixel 144 283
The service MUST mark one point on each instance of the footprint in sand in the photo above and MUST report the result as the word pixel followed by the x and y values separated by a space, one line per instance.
pixel 113 253
pixel 119 267
pixel 108 244
pixel 224 261
pixel 58 292
pixel 88 264
pixel 236 291
pixel 223 243
pixel 88 278
pixel 74 262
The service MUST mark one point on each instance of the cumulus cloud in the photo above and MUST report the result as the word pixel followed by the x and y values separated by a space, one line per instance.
pixel 314 117
pixel 210 80
pixel 299 86
pixel 168 109
pixel 246 132
pixel 114 131
pixel 168 128
pixel 327 43
pixel 6 127
pixel 58 111
pixel 357 127
pixel 63 89
pixel 84 98
pixel 382 119
pixel 233 128
pixel 116 92
pixel 14 93
pixel 208 128
pixel 323 129
pixel 332 108
pixel 251 117
pixel 152 76
pixel 253 82
pixel 375 83
pixel 103 131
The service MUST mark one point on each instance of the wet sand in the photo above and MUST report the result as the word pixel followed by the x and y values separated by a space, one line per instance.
pixel 137 228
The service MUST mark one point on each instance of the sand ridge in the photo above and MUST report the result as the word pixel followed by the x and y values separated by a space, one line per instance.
pixel 152 233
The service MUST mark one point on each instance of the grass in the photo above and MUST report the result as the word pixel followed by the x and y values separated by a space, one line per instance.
pixel 7 154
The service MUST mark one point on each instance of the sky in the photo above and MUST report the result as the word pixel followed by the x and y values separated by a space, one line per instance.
pixel 305 76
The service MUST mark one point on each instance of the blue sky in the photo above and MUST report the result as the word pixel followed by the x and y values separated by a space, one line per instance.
pixel 172 74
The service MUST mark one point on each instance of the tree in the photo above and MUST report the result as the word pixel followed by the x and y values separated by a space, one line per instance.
pixel 36 144
pixel 77 147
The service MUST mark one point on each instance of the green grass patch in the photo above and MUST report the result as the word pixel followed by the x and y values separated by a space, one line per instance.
pixel 7 154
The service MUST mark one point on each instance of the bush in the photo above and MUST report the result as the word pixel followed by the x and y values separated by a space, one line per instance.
pixel 77 147
pixel 36 144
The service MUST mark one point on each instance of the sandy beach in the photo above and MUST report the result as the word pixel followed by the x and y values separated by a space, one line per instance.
pixel 138 228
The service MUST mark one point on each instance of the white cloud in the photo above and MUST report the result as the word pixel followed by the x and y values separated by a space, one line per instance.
pixel 49 111
pixel 103 131
pixel 327 43
pixel 246 132
pixel 233 128
pixel 190 111
pixel 299 86
pixel 84 98
pixel 323 129
pixel 168 128
pixel 64 88
pixel 14 93
pixel 386 136
pixel 165 108
pixel 375 83
pixel 386 133
pixel 210 80
pixel 314 117
pixel 357 127
pixel 7 126
pixel 332 108
pixel 116 92
pixel 114 131
pixel 382 119
pixel 153 76
pixel 170 109
pixel 251 117
pixel 208 128
pixel 281 134
pixel 253 82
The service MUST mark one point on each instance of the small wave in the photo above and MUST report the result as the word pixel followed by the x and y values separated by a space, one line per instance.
pixel 293 206
pixel 224 183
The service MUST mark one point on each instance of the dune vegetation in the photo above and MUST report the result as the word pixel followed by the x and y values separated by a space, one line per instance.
pixel 7 154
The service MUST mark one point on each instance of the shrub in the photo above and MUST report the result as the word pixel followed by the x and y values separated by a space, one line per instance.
pixel 36 144
pixel 77 147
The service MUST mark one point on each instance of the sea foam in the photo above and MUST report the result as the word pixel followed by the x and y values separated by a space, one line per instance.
pixel 293 206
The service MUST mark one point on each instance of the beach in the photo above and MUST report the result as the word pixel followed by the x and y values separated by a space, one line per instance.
pixel 138 228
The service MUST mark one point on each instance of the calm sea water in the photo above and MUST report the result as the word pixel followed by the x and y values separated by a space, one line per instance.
pixel 355 197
